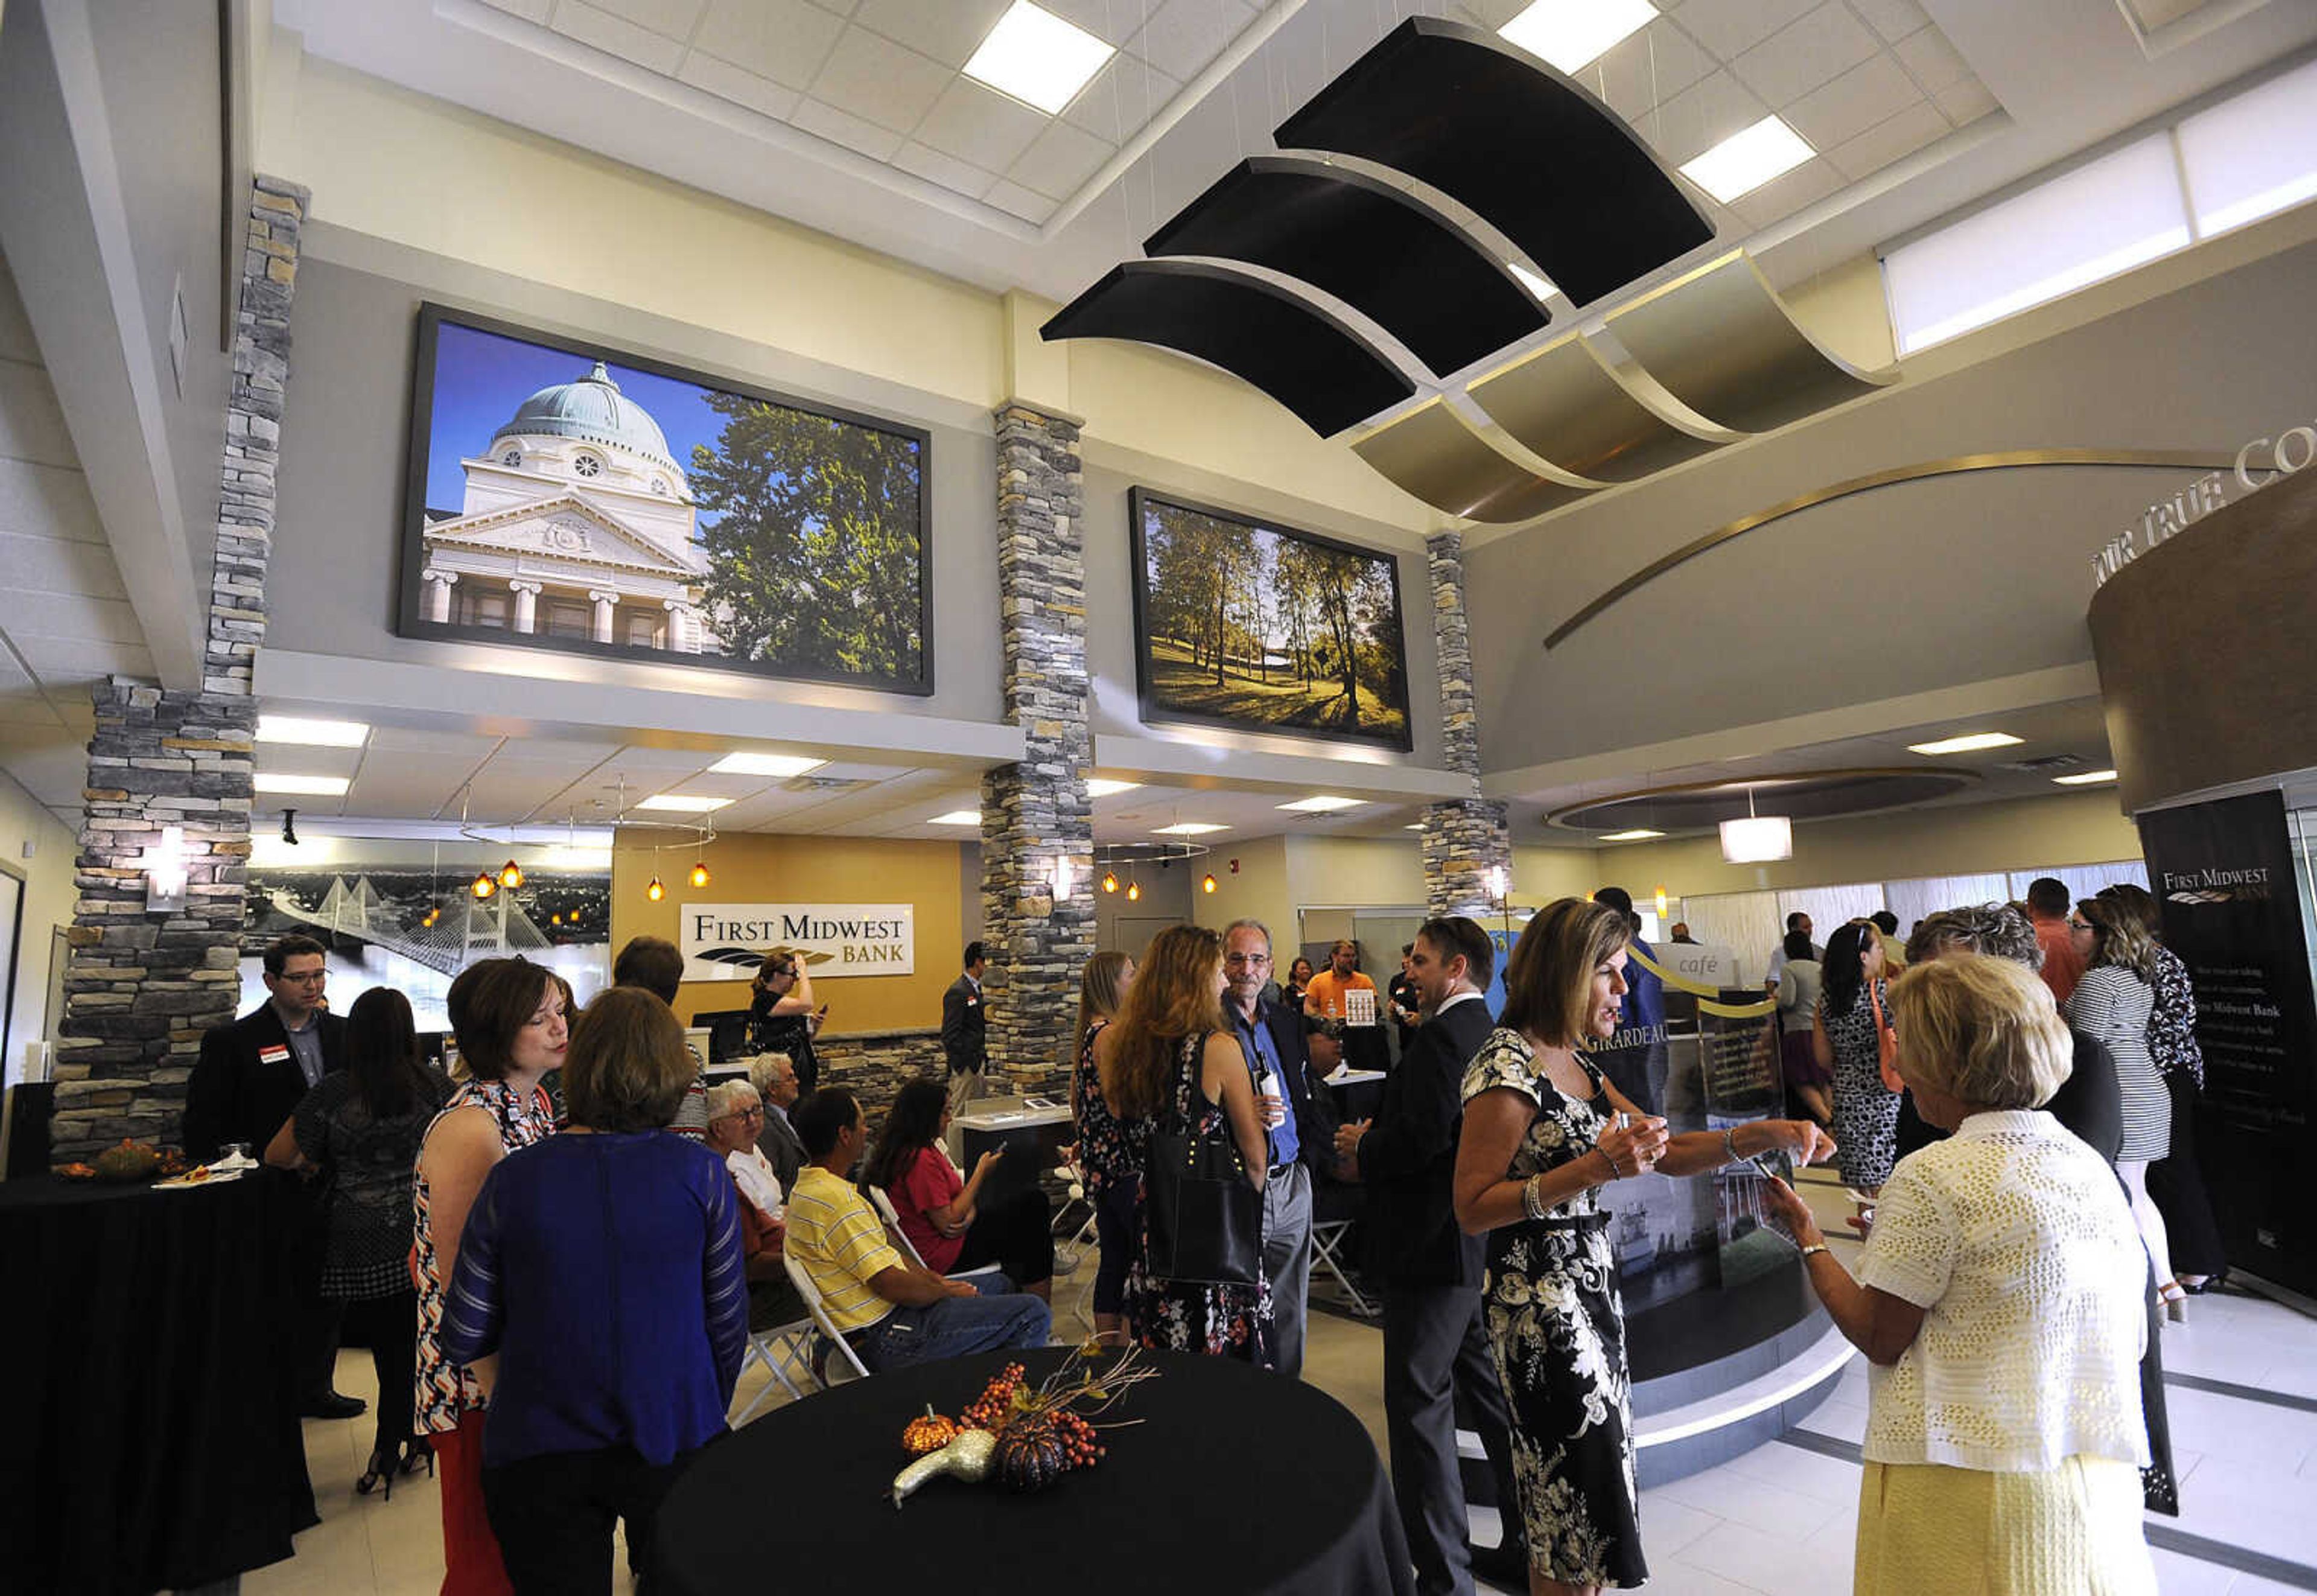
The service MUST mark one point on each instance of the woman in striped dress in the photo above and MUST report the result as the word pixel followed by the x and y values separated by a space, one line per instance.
pixel 510 1018
pixel 2113 1003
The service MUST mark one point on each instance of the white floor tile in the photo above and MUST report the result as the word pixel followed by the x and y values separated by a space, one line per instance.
pixel 1784 1560
pixel 1833 1480
pixel 2177 1575
pixel 1727 1492
pixel 2242 1505
pixel 1668 1525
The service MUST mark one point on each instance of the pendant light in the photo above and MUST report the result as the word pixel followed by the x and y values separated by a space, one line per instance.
pixel 699 874
pixel 1134 892
pixel 654 891
pixel 483 885
pixel 1110 880
pixel 510 875
pixel 1207 882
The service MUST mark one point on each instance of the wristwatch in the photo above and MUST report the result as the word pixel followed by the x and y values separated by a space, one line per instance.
pixel 1814 1247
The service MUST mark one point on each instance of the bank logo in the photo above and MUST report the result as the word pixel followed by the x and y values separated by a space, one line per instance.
pixel 2254 893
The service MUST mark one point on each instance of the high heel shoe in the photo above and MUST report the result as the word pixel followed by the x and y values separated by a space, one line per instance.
pixel 2175 1300
pixel 382 1469
pixel 417 1451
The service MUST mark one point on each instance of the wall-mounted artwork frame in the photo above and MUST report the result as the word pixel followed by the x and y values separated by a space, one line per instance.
pixel 580 498
pixel 1271 613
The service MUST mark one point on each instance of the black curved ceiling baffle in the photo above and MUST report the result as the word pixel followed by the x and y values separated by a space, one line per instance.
pixel 1304 358
pixel 1549 166
pixel 1370 246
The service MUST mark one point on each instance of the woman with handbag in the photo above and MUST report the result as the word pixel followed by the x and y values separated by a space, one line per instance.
pixel 1853 1039
pixel 1171 1060
pixel 2114 1003
pixel 1543 1132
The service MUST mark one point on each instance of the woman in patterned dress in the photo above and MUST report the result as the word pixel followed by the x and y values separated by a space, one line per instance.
pixel 2114 1003
pixel 1542 1132
pixel 1110 1156
pixel 1172 1050
pixel 512 1022
pixel 1854 1010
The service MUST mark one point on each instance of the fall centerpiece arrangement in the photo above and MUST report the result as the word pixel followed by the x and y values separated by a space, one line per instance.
pixel 1027 1439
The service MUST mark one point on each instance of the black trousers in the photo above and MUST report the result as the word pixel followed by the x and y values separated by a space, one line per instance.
pixel 1436 1349
pixel 388 1325
pixel 2176 1185
pixel 554 1516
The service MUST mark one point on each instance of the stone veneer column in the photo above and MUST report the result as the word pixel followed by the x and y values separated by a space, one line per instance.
pixel 140 989
pixel 1463 838
pixel 1036 812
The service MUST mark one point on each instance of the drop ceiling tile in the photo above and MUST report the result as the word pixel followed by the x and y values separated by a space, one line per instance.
pixel 1060 161
pixel 785 41
pixel 1965 101
pixel 1729 28
pixel 31 617
pixel 1702 116
pixel 31 424
pixel 1016 200
pixel 1120 98
pixel 1873 90
pixel 738 85
pixel 872 77
pixel 1810 52
pixel 1898 137
pixel 979 126
pixel 841 127
pixel 673 18
pixel 1646 69
pixel 1932 60
pixel 33 565
pixel 48 501
pixel 1781 197
pixel 530 11
pixel 65 661
pixel 443 750
pixel 958 176
pixel 613 35
pixel 949 31
pixel 1183 36
pixel 25 706
pixel 1107 19
pixel 1893 19
pixel 1493 15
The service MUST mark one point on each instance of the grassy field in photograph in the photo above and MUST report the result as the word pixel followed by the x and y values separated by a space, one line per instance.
pixel 1282 701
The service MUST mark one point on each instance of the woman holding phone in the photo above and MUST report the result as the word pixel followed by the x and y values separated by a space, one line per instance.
pixel 781 1017
pixel 1543 1132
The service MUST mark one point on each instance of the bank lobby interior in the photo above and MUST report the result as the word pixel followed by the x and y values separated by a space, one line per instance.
pixel 1907 312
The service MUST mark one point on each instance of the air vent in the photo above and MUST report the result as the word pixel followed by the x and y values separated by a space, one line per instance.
pixel 2044 765
pixel 821 784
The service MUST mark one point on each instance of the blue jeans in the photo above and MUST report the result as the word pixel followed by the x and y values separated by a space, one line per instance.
pixel 953 1327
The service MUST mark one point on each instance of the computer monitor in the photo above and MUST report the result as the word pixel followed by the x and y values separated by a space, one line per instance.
pixel 727 1033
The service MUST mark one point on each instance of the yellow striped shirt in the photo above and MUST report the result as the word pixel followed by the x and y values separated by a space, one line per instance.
pixel 838 1237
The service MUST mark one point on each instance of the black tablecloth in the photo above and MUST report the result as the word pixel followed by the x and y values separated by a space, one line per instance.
pixel 1237 1481
pixel 149 1428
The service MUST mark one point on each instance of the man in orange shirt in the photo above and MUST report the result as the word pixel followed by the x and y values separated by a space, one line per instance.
pixel 1324 998
pixel 2048 903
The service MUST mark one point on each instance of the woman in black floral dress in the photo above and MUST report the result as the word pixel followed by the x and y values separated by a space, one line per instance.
pixel 1542 1132
pixel 1854 1010
pixel 1172 1051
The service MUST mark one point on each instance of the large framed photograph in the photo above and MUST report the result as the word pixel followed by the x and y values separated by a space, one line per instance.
pixel 574 498
pixel 1260 627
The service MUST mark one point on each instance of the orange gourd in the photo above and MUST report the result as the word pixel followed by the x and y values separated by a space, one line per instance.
pixel 929 1433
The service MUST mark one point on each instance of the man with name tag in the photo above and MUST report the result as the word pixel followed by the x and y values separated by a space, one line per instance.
pixel 965 1031
pixel 246 1084
pixel 1435 1349
pixel 1298 1129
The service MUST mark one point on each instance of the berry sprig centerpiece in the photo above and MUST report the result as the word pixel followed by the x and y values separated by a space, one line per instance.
pixel 1029 1439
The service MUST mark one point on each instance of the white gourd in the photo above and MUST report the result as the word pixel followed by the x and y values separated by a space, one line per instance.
pixel 966 1458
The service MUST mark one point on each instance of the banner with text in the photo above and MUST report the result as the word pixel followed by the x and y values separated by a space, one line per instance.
pixel 2223 873
pixel 728 941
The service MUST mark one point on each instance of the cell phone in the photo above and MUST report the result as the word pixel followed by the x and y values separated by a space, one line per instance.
pixel 822 1009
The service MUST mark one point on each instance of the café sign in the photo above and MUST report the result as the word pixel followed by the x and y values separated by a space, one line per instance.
pixel 728 941
pixel 2292 449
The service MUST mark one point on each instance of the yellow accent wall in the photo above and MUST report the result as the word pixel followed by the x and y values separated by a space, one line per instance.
pixel 755 868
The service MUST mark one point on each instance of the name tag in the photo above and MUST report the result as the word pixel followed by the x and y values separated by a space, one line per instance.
pixel 973 1002
pixel 272 1055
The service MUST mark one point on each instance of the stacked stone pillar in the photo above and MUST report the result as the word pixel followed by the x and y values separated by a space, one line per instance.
pixel 1035 814
pixel 141 987
pixel 1464 839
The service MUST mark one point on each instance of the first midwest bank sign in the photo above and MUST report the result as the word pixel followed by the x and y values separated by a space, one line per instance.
pixel 728 941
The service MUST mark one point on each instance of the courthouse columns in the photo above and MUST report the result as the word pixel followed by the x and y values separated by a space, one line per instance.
pixel 526 605
pixel 606 606
pixel 1467 842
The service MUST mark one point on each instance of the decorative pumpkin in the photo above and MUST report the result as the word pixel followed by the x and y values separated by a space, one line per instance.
pixel 930 1434
pixel 131 1161
pixel 1030 1455
pixel 965 1458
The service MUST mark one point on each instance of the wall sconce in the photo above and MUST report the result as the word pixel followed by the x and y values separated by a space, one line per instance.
pixel 165 872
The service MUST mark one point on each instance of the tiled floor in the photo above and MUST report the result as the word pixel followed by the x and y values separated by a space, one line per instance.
pixel 1779 1520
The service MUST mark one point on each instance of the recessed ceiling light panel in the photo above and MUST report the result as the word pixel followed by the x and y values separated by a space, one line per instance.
pixel 957 816
pixel 313 734
pixel 1744 162
pixel 1035 57
pixel 1969 743
pixel 782 766
pixel 1189 828
pixel 1322 804
pixel 313 786
pixel 1103 786
pixel 680 803
pixel 2084 778
pixel 1572 34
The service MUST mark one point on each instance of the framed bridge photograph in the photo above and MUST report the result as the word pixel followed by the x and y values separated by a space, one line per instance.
pixel 1259 627
pixel 576 497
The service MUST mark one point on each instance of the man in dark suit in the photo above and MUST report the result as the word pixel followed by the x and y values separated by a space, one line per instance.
pixel 248 1079
pixel 1298 1129
pixel 964 1031
pixel 1435 1348
pixel 776 1082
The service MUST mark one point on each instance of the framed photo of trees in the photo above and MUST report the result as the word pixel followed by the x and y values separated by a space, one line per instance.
pixel 1260 627
pixel 579 498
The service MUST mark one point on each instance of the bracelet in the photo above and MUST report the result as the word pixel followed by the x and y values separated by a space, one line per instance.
pixel 1532 1200
pixel 1730 1144
pixel 1615 1172
pixel 1814 1247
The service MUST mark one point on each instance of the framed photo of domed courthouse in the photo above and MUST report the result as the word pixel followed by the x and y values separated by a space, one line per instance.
pixel 583 500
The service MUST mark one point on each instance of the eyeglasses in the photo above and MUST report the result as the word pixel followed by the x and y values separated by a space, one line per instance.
pixel 304 977
pixel 2077 925
pixel 1250 959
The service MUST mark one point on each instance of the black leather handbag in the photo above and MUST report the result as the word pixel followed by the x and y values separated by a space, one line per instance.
pixel 1203 1219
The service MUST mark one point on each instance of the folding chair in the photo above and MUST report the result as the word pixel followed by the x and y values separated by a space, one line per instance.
pixel 1072 1255
pixel 819 1310
pixel 785 1349
pixel 908 1248
pixel 1333 1210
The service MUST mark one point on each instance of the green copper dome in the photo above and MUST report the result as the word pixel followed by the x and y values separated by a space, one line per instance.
pixel 592 410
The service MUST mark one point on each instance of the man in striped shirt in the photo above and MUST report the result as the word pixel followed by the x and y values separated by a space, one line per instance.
pixel 890 1312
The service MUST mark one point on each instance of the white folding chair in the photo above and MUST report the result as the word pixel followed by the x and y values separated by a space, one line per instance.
pixel 785 1350
pixel 908 1248
pixel 1072 1255
pixel 832 1373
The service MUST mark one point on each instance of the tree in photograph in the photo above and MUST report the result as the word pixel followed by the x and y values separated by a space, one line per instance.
pixel 815 554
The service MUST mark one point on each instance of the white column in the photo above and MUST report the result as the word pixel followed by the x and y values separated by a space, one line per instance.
pixel 605 604
pixel 526 603
pixel 683 627
pixel 439 583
